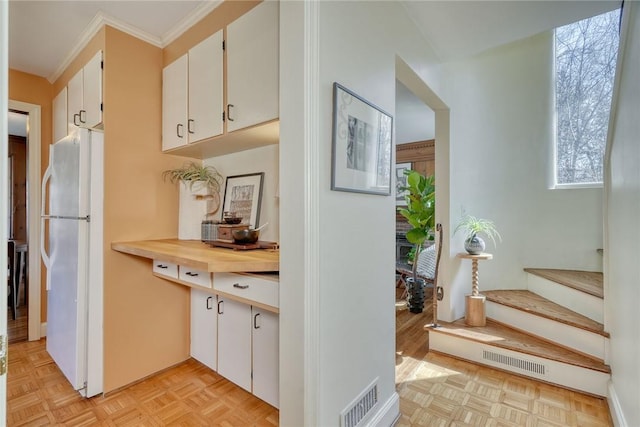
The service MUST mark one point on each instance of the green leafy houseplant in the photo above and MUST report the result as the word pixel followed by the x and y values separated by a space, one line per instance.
pixel 420 211
pixel 473 226
pixel 192 173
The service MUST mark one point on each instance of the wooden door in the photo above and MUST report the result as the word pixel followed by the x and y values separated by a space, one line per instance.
pixel 174 103
pixel 234 342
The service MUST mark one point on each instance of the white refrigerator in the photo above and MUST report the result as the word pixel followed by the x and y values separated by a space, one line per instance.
pixel 73 186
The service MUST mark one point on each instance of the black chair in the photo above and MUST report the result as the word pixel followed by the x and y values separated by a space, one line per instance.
pixel 11 278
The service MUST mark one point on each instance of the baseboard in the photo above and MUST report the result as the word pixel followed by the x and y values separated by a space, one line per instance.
pixel 43 329
pixel 389 414
pixel 615 409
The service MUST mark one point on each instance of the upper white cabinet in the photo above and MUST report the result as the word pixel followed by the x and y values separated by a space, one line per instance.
pixel 84 95
pixel 196 121
pixel 60 115
pixel 192 101
pixel 253 67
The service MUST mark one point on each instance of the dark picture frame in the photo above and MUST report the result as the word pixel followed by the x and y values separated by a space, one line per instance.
pixel 243 195
pixel 401 181
pixel 361 145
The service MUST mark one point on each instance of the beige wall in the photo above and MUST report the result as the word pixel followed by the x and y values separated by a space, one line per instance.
pixel 146 319
pixel 36 90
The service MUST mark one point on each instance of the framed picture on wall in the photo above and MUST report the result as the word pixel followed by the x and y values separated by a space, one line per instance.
pixel 401 181
pixel 361 155
pixel 243 196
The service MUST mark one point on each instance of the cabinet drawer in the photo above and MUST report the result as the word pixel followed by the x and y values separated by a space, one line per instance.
pixel 253 288
pixel 165 268
pixel 195 277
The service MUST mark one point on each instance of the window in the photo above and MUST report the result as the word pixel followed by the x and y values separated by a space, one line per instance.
pixel 586 53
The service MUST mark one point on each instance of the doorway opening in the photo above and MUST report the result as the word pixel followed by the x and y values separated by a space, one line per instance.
pixel 17 314
pixel 30 249
pixel 422 136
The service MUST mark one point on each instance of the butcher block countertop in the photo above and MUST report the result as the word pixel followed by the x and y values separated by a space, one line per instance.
pixel 198 255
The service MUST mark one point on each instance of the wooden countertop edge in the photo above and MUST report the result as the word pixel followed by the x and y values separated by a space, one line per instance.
pixel 197 255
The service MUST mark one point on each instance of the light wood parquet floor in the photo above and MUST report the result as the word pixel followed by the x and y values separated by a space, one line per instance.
pixel 434 390
pixel 189 394
pixel 437 390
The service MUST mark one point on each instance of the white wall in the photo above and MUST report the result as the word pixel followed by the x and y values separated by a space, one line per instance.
pixel 414 121
pixel 338 248
pixel 622 275
pixel 501 149
pixel 263 159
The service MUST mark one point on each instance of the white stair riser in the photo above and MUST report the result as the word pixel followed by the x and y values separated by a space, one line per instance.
pixel 580 302
pixel 558 332
pixel 565 375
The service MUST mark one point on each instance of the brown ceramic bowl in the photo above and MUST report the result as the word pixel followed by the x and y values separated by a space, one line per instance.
pixel 232 220
pixel 245 236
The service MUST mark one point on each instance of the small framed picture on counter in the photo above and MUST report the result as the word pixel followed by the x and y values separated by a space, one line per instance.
pixel 243 196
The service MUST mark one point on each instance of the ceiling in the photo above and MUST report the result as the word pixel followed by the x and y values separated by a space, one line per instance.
pixel 44 35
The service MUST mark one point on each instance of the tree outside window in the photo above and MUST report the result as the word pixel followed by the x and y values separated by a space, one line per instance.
pixel 586 53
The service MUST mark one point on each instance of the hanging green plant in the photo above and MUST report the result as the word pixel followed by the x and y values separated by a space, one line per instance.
pixel 192 173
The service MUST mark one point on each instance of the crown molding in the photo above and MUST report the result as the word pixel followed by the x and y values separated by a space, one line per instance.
pixel 190 20
pixel 102 19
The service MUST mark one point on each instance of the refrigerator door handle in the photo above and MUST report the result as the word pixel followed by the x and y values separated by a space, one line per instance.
pixel 43 217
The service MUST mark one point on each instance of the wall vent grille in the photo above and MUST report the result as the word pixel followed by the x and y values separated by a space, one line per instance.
pixel 361 406
pixel 525 365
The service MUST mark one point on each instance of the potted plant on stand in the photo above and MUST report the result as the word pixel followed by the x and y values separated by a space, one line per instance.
pixel 473 226
pixel 199 196
pixel 420 212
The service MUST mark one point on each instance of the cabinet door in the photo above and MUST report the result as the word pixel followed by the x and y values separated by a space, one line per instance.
pixel 234 342
pixel 74 101
pixel 205 89
pixel 60 115
pixel 204 326
pixel 265 356
pixel 174 104
pixel 252 67
pixel 91 112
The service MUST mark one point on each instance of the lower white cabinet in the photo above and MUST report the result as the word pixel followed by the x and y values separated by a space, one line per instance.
pixel 264 331
pixel 204 328
pixel 234 342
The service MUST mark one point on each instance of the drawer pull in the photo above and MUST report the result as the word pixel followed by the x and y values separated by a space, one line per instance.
pixel 255 321
pixel 239 286
pixel 188 273
pixel 162 266
pixel 219 311
pixel 209 305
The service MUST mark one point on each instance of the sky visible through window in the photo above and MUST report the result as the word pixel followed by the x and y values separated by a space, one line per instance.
pixel 586 54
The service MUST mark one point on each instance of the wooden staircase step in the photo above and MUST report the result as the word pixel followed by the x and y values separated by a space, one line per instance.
pixel 499 335
pixel 532 303
pixel 589 282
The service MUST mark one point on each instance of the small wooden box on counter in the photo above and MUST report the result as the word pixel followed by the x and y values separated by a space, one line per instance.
pixel 224 231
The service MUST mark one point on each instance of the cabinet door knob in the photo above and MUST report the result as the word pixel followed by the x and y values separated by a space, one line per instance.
pixel 255 321
pixel 219 310
pixel 209 305
pixel 76 116
pixel 178 127
pixel 229 106
pixel 189 127
pixel 83 116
